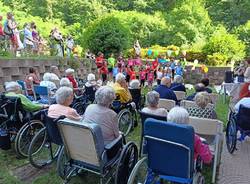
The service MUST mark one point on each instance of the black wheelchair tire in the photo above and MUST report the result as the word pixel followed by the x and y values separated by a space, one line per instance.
pixel 80 108
pixel 231 135
pixel 130 123
pixel 23 140
pixel 126 163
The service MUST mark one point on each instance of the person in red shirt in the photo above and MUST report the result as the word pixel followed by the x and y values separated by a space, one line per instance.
pixel 1 28
pixel 70 75
pixel 104 71
pixel 99 61
pixel 142 76
pixel 155 67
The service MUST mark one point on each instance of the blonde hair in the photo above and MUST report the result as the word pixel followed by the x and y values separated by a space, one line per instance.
pixel 202 99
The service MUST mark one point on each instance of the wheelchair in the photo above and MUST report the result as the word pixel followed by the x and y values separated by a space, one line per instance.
pixel 238 122
pixel 127 115
pixel 20 125
pixel 137 98
pixel 170 155
pixel 84 150
pixel 80 103
pixel 46 144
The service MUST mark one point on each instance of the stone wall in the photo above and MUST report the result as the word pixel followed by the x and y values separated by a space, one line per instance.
pixel 17 69
pixel 215 74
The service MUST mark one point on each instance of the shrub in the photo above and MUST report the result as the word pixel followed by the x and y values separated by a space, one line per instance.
pixel 217 59
pixel 106 35
pixel 192 55
pixel 224 43
pixel 243 32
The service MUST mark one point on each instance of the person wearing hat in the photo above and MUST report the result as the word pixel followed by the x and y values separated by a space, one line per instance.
pixel 91 86
pixel 70 75
pixel 244 92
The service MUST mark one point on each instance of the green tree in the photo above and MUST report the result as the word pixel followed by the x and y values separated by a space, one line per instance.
pixel 106 35
pixel 243 32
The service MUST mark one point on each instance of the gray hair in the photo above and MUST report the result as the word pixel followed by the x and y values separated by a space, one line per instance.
pixel 153 98
pixel 91 77
pixel 62 94
pixel 12 86
pixel 202 99
pixel 119 77
pixel 134 84
pixel 65 82
pixel 69 71
pixel 178 79
pixel 166 81
pixel 53 68
pixel 47 77
pixel 105 95
pixel 178 115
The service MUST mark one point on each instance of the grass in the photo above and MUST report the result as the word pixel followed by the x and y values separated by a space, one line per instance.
pixel 9 161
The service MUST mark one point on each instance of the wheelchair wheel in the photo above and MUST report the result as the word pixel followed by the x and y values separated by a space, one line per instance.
pixel 139 173
pixel 80 108
pixel 41 151
pixel 125 121
pixel 63 167
pixel 231 135
pixel 126 163
pixel 199 179
pixel 25 136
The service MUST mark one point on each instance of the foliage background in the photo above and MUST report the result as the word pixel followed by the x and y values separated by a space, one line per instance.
pixel 191 25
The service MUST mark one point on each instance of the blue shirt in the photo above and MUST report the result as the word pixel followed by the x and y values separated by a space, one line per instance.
pixel 166 92
pixel 179 70
pixel 244 101
pixel 178 87
pixel 115 71
pixel 191 97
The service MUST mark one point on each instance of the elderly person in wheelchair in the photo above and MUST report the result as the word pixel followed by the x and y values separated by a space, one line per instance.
pixel 153 101
pixel 64 98
pixel 13 89
pixel 101 114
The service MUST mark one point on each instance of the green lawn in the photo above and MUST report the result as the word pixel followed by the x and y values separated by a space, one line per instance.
pixel 9 162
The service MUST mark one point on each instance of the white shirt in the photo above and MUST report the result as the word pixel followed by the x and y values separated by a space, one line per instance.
pixel 244 101
pixel 159 75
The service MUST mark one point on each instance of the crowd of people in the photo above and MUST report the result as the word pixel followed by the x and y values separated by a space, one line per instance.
pixel 27 40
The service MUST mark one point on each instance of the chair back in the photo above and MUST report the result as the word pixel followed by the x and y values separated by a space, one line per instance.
pixel 214 98
pixel 24 86
pixel 204 126
pixel 187 103
pixel 136 96
pixel 243 118
pixel 170 148
pixel 167 104
pixel 52 129
pixel 41 91
pixel 83 141
pixel 180 95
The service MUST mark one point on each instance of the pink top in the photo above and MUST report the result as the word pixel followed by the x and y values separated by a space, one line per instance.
pixel 57 110
pixel 151 76
pixel 202 150
pixel 143 75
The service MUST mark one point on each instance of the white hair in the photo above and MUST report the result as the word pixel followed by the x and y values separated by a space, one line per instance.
pixel 153 98
pixel 119 77
pixel 91 77
pixel 178 79
pixel 12 86
pixel 69 71
pixel 65 82
pixel 47 77
pixel 62 94
pixel 134 84
pixel 178 115
pixel 105 95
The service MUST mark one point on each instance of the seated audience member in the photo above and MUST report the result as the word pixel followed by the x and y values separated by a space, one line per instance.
pixel 153 101
pixel 65 82
pixel 47 82
pixel 202 99
pixel 164 89
pixel 91 86
pixel 13 89
pixel 121 88
pixel 101 114
pixel 198 88
pixel 205 82
pixel 180 115
pixel 70 75
pixel 64 98
pixel 244 101
pixel 55 74
pixel 134 84
pixel 245 92
pixel 177 85
pixel 30 79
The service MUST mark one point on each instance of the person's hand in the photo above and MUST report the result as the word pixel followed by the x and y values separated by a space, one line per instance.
pixel 45 106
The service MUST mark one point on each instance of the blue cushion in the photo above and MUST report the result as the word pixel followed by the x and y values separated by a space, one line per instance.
pixel 169 159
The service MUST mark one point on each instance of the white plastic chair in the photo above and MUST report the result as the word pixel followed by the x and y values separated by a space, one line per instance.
pixel 167 104
pixel 180 95
pixel 214 97
pixel 187 103
pixel 212 128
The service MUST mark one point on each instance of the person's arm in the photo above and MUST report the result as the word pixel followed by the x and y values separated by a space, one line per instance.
pixel 202 150
pixel 28 105
pixel 72 114
pixel 115 125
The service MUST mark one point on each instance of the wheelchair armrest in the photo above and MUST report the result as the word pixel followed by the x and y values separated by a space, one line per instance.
pixel 59 118
pixel 116 142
